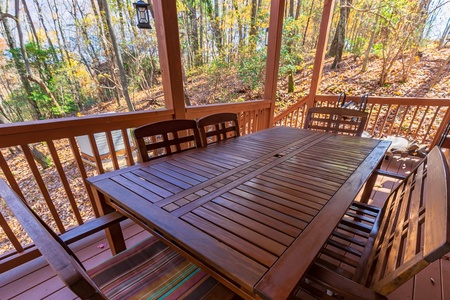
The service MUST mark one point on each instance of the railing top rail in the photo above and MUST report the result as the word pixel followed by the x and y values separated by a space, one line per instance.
pixel 283 114
pixel 12 134
pixel 391 100
pixel 200 110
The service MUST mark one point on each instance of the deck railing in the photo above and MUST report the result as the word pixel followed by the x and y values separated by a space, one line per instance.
pixel 418 120
pixel 63 200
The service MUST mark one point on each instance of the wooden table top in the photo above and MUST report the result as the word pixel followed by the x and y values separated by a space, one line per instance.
pixel 255 209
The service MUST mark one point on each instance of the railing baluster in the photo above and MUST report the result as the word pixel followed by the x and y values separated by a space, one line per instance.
pixel 421 122
pixel 95 152
pixel 82 170
pixel 411 123
pixel 128 150
pixel 392 125
pixel 253 117
pixel 43 188
pixel 430 125
pixel 112 150
pixel 403 120
pixel 9 176
pixel 65 183
pixel 10 234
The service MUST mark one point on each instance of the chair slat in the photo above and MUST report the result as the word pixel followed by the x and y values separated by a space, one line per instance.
pixel 412 242
pixel 218 127
pixel 337 120
pixel 410 231
pixel 437 209
pixel 166 137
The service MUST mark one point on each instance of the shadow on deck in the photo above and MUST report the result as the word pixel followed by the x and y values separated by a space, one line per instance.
pixel 36 280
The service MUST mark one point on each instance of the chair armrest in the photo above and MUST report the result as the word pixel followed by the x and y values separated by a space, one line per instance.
pixel 342 285
pixel 390 174
pixel 92 226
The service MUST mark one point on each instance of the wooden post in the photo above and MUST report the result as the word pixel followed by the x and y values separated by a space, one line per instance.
pixel 273 55
pixel 168 37
pixel 327 17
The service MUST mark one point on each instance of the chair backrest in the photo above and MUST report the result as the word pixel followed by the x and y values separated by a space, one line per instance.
pixel 413 227
pixel 443 140
pixel 166 137
pixel 56 252
pixel 336 120
pixel 217 127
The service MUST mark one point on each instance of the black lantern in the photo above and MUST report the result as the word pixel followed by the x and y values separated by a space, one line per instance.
pixel 142 14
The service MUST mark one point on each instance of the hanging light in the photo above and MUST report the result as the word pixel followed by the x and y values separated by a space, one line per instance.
pixel 143 16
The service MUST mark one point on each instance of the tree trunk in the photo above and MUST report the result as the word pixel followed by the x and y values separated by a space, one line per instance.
pixel 337 46
pixel 35 112
pixel 121 20
pixel 253 28
pixel 30 21
pixel 445 35
pixel 65 56
pixel 30 75
pixel 106 42
pixel 373 34
pixel 41 20
pixel 118 56
pixel 192 25
pixel 439 73
pixel 307 23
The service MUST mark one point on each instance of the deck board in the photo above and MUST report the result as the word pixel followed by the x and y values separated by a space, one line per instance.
pixel 36 280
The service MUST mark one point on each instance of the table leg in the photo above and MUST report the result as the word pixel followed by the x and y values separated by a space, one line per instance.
pixel 113 233
pixel 368 188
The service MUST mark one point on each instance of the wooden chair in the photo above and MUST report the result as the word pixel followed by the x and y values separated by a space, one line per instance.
pixel 444 140
pixel 373 251
pixel 337 120
pixel 218 127
pixel 166 137
pixel 149 269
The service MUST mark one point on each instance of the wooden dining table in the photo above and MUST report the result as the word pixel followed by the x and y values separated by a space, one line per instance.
pixel 254 211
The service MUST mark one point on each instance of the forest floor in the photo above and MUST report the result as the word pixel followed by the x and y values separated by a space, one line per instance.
pixel 348 77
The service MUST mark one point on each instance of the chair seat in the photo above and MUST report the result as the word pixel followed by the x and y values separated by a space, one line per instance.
pixel 343 250
pixel 152 270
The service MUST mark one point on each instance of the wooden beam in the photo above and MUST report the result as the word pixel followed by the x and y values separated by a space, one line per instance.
pixel 327 17
pixel 273 54
pixel 170 55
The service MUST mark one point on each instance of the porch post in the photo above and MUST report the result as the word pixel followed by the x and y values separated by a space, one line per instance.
pixel 273 55
pixel 327 17
pixel 166 26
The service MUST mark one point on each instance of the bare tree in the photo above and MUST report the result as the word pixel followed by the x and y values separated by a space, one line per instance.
pixel 337 46
pixel 29 73
pixel 118 56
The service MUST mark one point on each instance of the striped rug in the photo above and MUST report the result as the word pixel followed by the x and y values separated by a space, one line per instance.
pixel 151 270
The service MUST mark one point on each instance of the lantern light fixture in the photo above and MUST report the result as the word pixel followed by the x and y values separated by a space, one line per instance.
pixel 143 16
